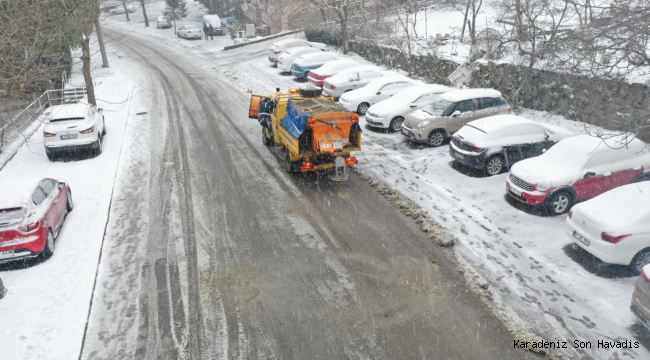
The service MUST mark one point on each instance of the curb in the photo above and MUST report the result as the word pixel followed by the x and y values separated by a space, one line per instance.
pixel 230 47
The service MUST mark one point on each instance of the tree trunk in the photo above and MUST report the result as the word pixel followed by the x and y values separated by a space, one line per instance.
pixel 343 18
pixel 100 39
pixel 322 12
pixel 126 11
pixel 462 32
pixel 85 68
pixel 144 12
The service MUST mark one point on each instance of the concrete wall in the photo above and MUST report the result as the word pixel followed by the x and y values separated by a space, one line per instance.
pixel 607 103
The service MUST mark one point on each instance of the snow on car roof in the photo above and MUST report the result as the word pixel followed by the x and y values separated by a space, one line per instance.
pixel 619 207
pixel 423 89
pixel 16 192
pixel 330 65
pixel 286 41
pixel 315 54
pixel 466 94
pixel 67 111
pixel 495 123
pixel 586 143
pixel 381 81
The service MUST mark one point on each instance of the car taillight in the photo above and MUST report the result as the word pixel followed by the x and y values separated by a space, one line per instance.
pixel 570 213
pixel 509 109
pixel 351 160
pixel 277 52
pixel 306 166
pixel 47 134
pixel 477 149
pixel 612 239
pixel 189 32
pixel 88 131
pixel 332 86
pixel 29 227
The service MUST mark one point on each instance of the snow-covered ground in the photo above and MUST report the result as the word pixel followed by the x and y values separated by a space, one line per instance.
pixel 533 272
pixel 43 315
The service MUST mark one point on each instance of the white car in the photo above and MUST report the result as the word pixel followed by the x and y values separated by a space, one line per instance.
pixel 391 113
pixel 614 226
pixel 280 46
pixel 352 79
pixel 377 90
pixel 163 23
pixel 120 10
pixel 285 60
pixel 189 32
pixel 73 127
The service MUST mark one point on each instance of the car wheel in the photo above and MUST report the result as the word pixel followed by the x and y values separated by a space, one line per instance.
pixel 69 201
pixel 494 165
pixel 362 108
pixel 436 138
pixel 48 249
pixel 265 139
pixel 639 261
pixel 103 126
pixel 560 202
pixel 50 155
pixel 396 123
pixel 98 148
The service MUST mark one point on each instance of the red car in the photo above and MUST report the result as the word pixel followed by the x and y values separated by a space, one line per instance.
pixel 329 69
pixel 32 211
pixel 576 169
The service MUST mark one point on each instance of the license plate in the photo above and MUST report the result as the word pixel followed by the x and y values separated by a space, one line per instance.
pixel 515 191
pixel 581 238
pixel 459 155
pixel 8 252
pixel 66 137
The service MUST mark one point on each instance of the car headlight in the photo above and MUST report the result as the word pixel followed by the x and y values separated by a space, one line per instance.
pixel 543 185
pixel 424 123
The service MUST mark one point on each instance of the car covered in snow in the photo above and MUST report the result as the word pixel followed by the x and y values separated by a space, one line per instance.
pixel 72 128
pixel 189 32
pixel 352 79
pixel 377 90
pixel 120 10
pixel 318 76
pixel 285 60
pixel 163 23
pixel 578 168
pixel 278 47
pixel 614 226
pixel 304 63
pixel 32 211
pixel 641 297
pixel 390 113
pixel 435 123
pixel 497 142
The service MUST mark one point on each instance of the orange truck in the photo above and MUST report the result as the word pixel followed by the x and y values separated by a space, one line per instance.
pixel 311 131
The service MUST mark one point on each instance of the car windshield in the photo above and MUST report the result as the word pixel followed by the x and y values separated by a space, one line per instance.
pixel 11 216
pixel 565 154
pixel 437 108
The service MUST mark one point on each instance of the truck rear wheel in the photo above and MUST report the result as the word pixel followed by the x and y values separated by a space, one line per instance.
pixel 290 166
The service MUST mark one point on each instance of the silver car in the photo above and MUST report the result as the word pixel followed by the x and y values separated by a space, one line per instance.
pixel 435 123
pixel 641 297
pixel 352 79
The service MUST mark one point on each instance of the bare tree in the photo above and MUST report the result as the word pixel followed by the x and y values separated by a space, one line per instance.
pixel 144 13
pixel 399 32
pixel 126 11
pixel 100 38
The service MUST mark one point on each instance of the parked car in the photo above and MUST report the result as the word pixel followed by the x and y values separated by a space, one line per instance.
pixel 163 23
pixel 318 76
pixel 285 60
pixel 189 32
pixel 303 63
pixel 352 79
pixel 641 297
pixel 576 169
pixel 496 142
pixel 614 226
pixel 435 123
pixel 215 21
pixel 375 91
pixel 73 127
pixel 280 46
pixel 120 10
pixel 32 211
pixel 390 113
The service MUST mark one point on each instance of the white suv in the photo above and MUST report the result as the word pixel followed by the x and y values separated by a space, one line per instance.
pixel 72 128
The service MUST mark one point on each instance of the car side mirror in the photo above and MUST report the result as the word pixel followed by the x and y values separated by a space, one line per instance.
pixel 456 113
pixel 413 105
pixel 589 174
pixel 61 185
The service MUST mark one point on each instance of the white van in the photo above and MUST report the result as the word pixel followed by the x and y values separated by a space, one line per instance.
pixel 216 24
